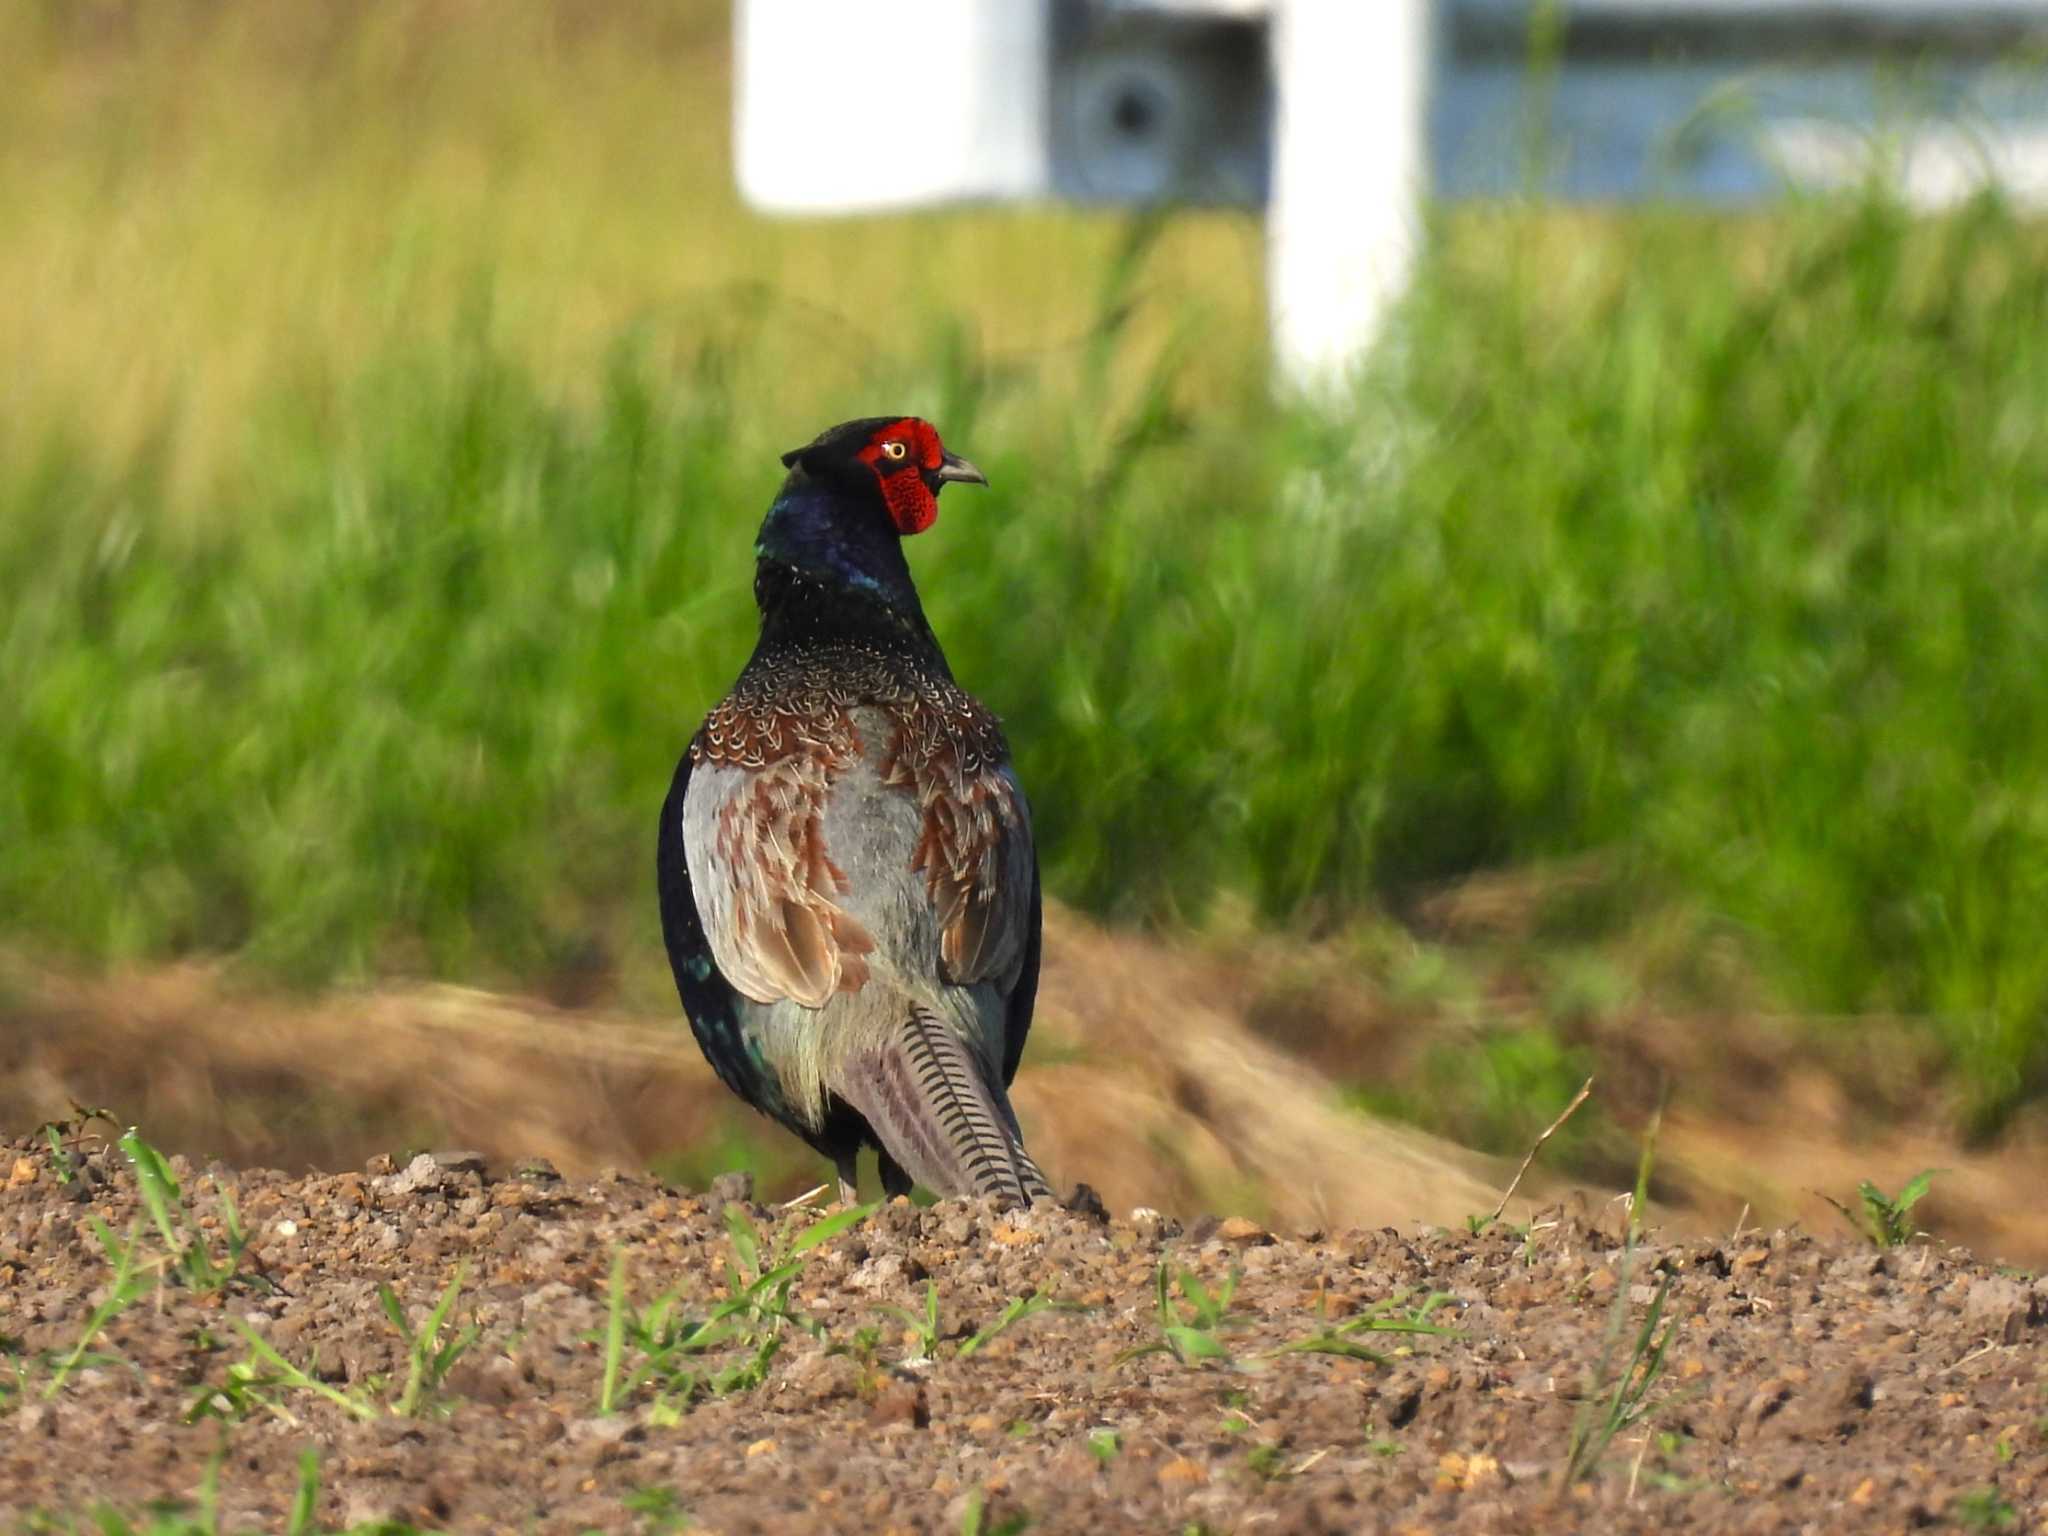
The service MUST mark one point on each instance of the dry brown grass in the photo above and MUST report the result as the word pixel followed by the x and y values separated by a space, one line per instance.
pixel 215 203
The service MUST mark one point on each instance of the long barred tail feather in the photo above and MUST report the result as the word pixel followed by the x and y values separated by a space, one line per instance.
pixel 940 1120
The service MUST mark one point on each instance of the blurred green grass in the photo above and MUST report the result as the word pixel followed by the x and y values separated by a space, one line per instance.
pixel 383 451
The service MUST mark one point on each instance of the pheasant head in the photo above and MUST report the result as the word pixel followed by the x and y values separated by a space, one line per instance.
pixel 895 462
pixel 853 495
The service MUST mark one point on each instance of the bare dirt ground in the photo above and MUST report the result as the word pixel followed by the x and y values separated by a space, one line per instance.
pixel 1810 1381
pixel 1179 1076
pixel 1807 1385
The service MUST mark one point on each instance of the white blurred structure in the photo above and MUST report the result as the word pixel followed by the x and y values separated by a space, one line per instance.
pixel 847 107
pixel 1341 116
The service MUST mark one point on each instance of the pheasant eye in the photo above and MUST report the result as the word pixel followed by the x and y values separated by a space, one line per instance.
pixel 894 450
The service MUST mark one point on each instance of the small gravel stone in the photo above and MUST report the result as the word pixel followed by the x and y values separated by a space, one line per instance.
pixel 1085 1202
pixel 604 1431
pixel 884 1272
pixel 421 1174
pixel 903 1403
pixel 2001 1306
pixel 957 1226
pixel 1151 1228
pixel 729 1189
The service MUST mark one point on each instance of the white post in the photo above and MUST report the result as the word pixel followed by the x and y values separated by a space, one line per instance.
pixel 1349 169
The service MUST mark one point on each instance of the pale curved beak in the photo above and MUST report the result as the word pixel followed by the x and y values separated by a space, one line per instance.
pixel 953 468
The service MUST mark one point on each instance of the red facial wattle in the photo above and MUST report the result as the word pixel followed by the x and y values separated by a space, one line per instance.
pixel 912 506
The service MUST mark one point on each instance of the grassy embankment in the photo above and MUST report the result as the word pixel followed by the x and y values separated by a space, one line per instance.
pixel 389 406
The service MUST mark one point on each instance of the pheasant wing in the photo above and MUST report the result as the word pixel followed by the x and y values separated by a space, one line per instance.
pixel 708 998
pixel 765 888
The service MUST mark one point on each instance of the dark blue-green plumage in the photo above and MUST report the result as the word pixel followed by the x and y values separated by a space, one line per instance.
pixel 858 979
